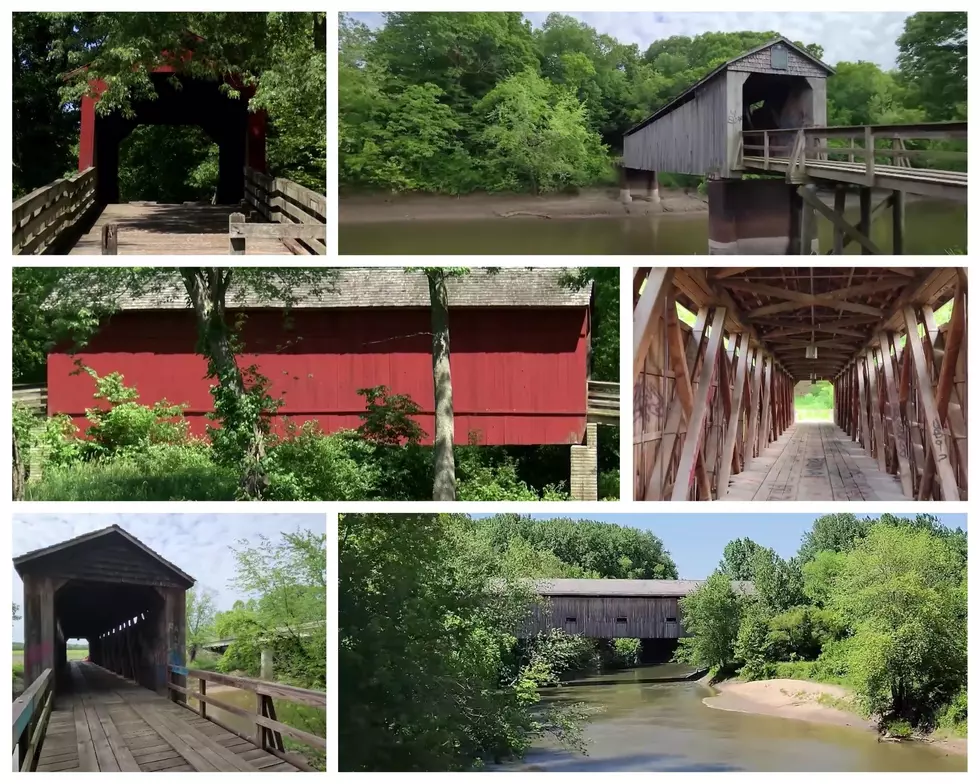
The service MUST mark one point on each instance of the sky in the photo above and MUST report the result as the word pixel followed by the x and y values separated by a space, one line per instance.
pixel 867 35
pixel 696 542
pixel 198 544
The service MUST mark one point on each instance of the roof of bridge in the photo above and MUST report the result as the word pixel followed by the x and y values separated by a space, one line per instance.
pixel 395 287
pixel 683 97
pixel 837 309
pixel 627 588
pixel 110 535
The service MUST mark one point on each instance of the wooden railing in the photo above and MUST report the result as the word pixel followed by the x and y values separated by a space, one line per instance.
pixel 30 720
pixel 603 402
pixel 792 150
pixel 239 231
pixel 279 200
pixel 268 730
pixel 32 396
pixel 42 216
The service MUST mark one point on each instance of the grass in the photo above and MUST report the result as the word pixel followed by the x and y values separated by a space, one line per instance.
pixel 131 481
pixel 814 415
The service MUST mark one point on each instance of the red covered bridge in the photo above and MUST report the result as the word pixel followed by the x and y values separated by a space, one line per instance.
pixel 520 353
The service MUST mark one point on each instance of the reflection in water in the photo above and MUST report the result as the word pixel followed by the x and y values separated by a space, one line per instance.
pixel 666 727
pixel 932 227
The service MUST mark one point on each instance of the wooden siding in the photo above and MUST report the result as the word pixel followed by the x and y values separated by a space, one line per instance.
pixel 646 616
pixel 761 62
pixel 691 139
pixel 520 375
pixel 106 560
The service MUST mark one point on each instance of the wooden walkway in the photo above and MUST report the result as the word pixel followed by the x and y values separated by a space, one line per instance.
pixel 106 723
pixel 814 461
pixel 148 228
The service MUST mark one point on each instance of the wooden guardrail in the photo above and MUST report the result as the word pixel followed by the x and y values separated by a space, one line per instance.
pixel 239 231
pixel 279 200
pixel 40 217
pixel 31 711
pixel 32 396
pixel 791 150
pixel 268 731
pixel 603 402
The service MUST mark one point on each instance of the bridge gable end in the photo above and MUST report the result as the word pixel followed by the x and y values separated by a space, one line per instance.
pixel 761 61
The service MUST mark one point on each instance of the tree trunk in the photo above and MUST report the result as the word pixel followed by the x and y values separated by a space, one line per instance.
pixel 207 288
pixel 19 472
pixel 444 465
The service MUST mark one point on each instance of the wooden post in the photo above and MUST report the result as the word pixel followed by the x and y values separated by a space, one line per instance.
pixel 865 224
pixel 202 707
pixel 869 156
pixel 876 423
pixel 732 426
pixel 110 233
pixel 624 185
pixel 808 220
pixel 840 203
pixel 898 223
pixel 236 245
pixel 765 148
pixel 259 729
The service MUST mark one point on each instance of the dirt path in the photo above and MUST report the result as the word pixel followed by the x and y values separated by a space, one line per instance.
pixel 598 203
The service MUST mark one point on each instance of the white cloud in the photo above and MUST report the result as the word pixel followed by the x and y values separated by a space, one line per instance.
pixel 859 35
pixel 199 544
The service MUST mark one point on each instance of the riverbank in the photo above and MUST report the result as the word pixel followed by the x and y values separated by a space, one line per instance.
pixel 820 703
pixel 592 203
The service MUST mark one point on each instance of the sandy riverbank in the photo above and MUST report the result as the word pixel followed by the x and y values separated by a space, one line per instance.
pixel 796 699
pixel 596 203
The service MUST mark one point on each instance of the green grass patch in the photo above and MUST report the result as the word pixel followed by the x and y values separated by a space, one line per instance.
pixel 77 654
pixel 814 415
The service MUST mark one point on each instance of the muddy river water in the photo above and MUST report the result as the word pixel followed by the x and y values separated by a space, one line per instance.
pixel 647 726
pixel 932 227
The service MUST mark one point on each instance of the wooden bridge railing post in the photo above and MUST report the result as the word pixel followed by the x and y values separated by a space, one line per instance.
pixel 202 705
pixel 236 244
pixel 765 147
pixel 869 154
pixel 110 237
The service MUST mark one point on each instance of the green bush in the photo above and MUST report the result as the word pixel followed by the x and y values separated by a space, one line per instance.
pixel 952 718
pixel 307 465
pixel 626 652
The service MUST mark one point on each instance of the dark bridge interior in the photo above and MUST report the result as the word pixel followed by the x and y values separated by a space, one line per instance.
pixel 196 101
pixel 773 101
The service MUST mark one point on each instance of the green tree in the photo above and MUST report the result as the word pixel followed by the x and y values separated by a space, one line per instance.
pixel 932 58
pixel 907 654
pixel 838 532
pixel 778 583
pixel 200 613
pixel 738 558
pixel 711 616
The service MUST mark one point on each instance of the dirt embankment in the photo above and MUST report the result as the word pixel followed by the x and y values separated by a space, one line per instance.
pixel 801 700
pixel 597 203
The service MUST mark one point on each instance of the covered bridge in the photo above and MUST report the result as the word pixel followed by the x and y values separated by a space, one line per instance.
pixel 718 352
pixel 109 588
pixel 776 85
pixel 610 609
pixel 520 353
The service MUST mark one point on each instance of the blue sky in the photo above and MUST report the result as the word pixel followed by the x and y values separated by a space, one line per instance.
pixel 844 36
pixel 196 543
pixel 696 541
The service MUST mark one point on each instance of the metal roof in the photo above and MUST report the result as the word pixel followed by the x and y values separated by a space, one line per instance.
pixel 682 98
pixel 573 587
pixel 395 287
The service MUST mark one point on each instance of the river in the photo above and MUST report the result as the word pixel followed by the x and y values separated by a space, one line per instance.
pixel 932 227
pixel 666 727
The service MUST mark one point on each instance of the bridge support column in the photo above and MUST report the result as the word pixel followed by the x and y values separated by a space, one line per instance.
pixel 624 185
pixel 584 485
pixel 753 217
pixel 265 667
pixel 653 188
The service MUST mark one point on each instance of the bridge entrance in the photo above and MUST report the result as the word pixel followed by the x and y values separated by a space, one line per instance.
pixel 190 101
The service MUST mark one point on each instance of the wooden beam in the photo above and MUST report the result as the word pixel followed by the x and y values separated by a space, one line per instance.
pixel 728 272
pixel 754 399
pixel 680 358
pixel 745 353
pixel 766 412
pixel 944 389
pixel 935 436
pixel 646 312
pixel 860 234
pixel 695 422
pixel 818 300
pixel 826 327
pixel 840 203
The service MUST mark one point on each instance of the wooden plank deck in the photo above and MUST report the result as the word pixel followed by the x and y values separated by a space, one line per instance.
pixel 814 461
pixel 104 722
pixel 148 228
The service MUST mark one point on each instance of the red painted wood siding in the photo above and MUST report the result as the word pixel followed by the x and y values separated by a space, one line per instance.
pixel 519 375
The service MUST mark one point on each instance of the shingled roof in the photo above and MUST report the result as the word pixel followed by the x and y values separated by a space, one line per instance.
pixel 573 587
pixel 395 287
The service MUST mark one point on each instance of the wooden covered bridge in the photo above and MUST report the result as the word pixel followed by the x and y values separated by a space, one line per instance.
pixel 713 399
pixel 612 609
pixel 765 112
pixel 252 212
pixel 126 707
